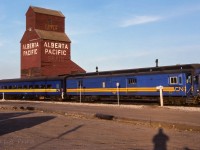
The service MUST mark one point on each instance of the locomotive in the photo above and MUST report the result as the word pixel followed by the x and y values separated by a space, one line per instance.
pixel 181 85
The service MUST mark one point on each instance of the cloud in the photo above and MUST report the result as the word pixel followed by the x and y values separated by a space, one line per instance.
pixel 171 13
pixel 140 20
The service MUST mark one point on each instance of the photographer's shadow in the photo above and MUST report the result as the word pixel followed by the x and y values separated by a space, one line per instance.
pixel 160 140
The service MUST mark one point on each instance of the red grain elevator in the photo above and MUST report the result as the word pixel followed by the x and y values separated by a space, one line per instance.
pixel 45 48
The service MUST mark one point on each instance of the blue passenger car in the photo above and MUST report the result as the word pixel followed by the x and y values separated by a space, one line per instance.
pixel 180 83
pixel 34 88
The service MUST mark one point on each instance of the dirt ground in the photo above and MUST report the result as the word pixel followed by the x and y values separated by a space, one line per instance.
pixel 38 130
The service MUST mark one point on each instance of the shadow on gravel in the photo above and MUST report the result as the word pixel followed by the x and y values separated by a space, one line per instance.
pixel 4 116
pixel 160 140
pixel 58 137
pixel 69 131
pixel 16 124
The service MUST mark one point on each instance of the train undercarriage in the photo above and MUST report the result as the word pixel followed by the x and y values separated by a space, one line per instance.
pixel 168 100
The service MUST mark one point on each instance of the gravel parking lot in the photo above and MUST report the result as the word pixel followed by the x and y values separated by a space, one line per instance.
pixel 50 126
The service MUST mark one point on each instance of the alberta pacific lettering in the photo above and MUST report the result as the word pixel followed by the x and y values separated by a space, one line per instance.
pixel 30 49
pixel 50 48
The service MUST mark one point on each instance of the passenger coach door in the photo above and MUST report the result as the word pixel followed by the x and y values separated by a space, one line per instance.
pixel 189 85
pixel 80 92
pixel 80 87
pixel 80 84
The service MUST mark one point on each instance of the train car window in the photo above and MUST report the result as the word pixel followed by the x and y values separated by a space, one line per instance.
pixel 189 79
pixel 19 87
pixel 5 87
pixel 57 86
pixel 195 78
pixel 25 87
pixel 173 80
pixel 103 84
pixel 15 87
pixel 49 86
pixel 132 81
pixel 36 87
pixel 10 87
pixel 42 86
pixel 30 86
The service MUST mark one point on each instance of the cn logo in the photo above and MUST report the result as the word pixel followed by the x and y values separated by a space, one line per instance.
pixel 178 89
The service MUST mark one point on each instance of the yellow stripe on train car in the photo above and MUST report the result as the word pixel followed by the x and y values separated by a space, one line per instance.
pixel 139 89
pixel 27 90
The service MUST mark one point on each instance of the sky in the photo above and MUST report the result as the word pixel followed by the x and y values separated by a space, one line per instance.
pixel 110 34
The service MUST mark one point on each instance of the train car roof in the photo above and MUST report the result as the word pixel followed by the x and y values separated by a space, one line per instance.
pixel 32 79
pixel 148 70
pixel 151 70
